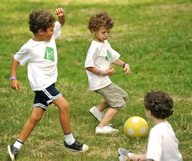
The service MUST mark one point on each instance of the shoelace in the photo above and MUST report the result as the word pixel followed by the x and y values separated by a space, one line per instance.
pixel 78 143
pixel 15 151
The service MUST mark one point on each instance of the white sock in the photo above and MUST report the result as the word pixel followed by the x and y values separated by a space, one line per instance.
pixel 69 139
pixel 18 144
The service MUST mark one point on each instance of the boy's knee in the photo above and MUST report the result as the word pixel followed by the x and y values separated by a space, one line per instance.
pixel 35 118
pixel 120 105
pixel 65 106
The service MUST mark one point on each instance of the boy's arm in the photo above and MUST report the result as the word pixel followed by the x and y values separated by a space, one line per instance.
pixel 13 75
pixel 125 66
pixel 61 15
pixel 99 72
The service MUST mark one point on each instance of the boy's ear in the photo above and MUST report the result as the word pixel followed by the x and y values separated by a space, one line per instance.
pixel 149 112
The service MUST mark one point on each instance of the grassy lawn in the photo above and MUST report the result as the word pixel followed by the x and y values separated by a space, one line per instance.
pixel 153 36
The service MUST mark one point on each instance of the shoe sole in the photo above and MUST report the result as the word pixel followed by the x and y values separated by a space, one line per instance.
pixel 119 152
pixel 102 133
pixel 77 151
pixel 94 116
pixel 10 154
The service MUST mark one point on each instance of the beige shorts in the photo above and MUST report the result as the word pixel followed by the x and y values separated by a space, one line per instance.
pixel 115 96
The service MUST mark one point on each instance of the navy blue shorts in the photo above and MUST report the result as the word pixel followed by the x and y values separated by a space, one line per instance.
pixel 46 96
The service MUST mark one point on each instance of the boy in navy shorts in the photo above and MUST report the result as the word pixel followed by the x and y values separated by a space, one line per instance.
pixel 40 54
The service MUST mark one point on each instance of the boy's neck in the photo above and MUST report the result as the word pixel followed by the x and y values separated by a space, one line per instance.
pixel 156 121
pixel 95 39
pixel 37 38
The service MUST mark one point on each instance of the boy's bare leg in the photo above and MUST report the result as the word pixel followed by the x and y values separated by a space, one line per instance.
pixel 32 121
pixel 28 127
pixel 104 105
pixel 64 114
pixel 109 115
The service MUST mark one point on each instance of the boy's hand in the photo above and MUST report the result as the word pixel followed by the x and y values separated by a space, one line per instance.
pixel 59 12
pixel 126 68
pixel 61 15
pixel 110 71
pixel 15 85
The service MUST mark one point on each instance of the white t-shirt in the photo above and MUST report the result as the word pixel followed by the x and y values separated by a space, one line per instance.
pixel 99 55
pixel 163 144
pixel 41 57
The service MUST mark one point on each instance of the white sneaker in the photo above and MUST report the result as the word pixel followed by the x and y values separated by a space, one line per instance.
pixel 123 154
pixel 105 130
pixel 122 158
pixel 96 113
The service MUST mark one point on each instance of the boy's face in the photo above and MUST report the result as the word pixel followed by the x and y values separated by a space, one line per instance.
pixel 46 35
pixel 102 34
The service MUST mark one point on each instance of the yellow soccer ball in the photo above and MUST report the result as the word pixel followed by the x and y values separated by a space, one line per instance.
pixel 136 127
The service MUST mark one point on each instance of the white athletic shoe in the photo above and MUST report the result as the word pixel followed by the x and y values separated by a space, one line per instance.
pixel 105 130
pixel 123 154
pixel 96 113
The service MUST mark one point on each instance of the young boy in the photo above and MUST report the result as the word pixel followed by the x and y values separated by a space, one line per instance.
pixel 162 142
pixel 41 55
pixel 98 67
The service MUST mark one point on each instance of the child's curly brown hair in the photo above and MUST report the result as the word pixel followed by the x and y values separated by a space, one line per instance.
pixel 100 20
pixel 159 103
pixel 40 19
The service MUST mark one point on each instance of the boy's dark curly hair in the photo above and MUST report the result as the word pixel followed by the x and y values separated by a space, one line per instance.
pixel 159 103
pixel 40 19
pixel 100 20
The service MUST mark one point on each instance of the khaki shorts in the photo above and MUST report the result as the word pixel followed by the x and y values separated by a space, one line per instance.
pixel 115 96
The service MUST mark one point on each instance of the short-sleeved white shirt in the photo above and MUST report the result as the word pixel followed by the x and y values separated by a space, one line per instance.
pixel 163 144
pixel 41 57
pixel 99 55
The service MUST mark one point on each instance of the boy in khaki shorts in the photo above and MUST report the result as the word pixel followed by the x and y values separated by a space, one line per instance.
pixel 100 57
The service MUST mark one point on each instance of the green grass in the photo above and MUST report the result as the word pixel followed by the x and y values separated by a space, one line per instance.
pixel 154 36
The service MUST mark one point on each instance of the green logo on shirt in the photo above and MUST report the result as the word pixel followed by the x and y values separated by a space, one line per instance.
pixel 108 56
pixel 49 54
